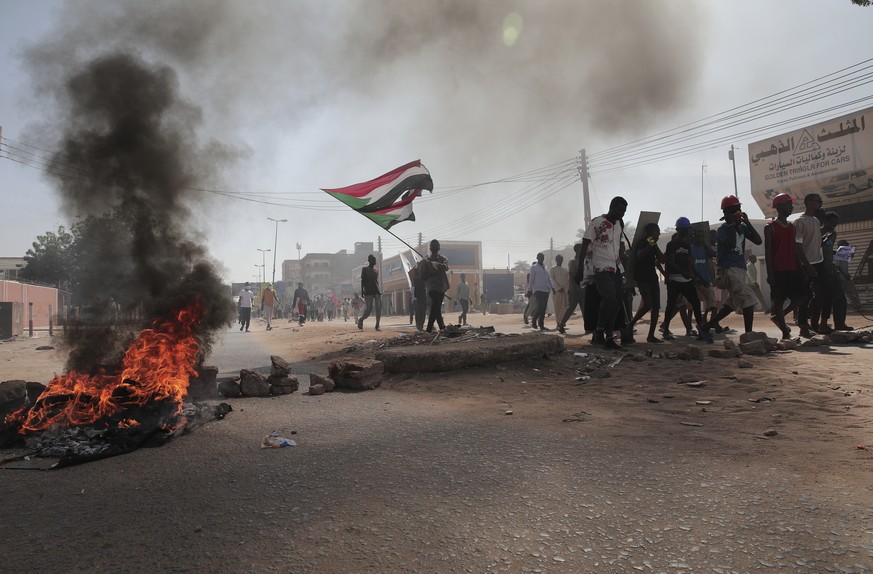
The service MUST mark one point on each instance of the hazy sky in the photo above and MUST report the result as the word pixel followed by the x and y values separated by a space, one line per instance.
pixel 286 97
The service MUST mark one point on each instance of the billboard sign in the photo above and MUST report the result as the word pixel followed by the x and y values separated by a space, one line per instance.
pixel 832 158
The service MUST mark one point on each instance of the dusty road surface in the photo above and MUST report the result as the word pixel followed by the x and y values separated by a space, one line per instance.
pixel 631 470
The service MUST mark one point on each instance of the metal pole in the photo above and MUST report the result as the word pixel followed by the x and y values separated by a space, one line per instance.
pixel 30 318
pixel 264 261
pixel 50 321
pixel 702 170
pixel 732 156
pixel 275 243
pixel 583 175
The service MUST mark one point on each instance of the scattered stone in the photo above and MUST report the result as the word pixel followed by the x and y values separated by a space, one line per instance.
pixel 723 353
pixel 844 337
pixel 45 348
pixel 601 374
pixel 689 378
pixel 814 342
pixel 326 382
pixel 703 403
pixel 253 384
pixel 756 347
pixel 229 389
pixel 744 364
pixel 770 432
pixel 283 384
pixel 316 390
pixel 690 424
pixel 730 345
pixel 787 344
pixel 695 384
pixel 690 353
pixel 357 374
pixel 280 366
pixel 753 336
pixel 508 413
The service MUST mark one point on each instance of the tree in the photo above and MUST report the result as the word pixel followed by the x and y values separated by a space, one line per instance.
pixel 521 266
pixel 862 2
pixel 49 260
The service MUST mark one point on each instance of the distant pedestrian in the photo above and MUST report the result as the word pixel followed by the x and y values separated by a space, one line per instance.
pixel 269 300
pixel 484 301
pixel 371 292
pixel 245 307
pixel 561 282
pixel 540 285
pixel 300 300
pixel 575 293
pixel 357 304
pixel 462 296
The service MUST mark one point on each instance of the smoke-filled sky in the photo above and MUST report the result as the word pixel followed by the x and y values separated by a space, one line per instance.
pixel 283 98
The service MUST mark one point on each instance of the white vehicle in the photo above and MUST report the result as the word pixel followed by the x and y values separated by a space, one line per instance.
pixel 848 183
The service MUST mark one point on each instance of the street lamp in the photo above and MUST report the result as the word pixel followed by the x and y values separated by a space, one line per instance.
pixel 264 261
pixel 275 240
pixel 259 273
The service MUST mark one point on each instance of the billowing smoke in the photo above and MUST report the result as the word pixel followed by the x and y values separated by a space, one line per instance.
pixel 129 157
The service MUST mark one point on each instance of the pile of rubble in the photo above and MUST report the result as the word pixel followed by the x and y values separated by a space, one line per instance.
pixel 451 334
pixel 352 374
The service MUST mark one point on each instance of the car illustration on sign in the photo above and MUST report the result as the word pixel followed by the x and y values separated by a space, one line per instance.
pixel 848 183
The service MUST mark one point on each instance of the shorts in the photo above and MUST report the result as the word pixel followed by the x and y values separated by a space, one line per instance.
pixel 650 294
pixel 706 294
pixel 789 285
pixel 740 294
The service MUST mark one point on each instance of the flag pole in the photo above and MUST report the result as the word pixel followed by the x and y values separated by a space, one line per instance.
pixel 400 240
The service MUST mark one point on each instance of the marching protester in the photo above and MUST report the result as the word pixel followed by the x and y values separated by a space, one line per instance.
pixel 433 268
pixel 245 307
pixel 807 234
pixel 540 286
pixel 575 293
pixel 647 261
pixel 599 260
pixel 269 300
pixel 299 300
pixel 462 296
pixel 680 279
pixel 371 292
pixel 783 269
pixel 561 283
pixel 731 264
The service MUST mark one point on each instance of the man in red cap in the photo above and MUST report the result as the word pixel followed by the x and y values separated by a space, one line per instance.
pixel 731 262
pixel 783 268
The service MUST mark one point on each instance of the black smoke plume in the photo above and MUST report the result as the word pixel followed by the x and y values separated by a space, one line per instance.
pixel 129 153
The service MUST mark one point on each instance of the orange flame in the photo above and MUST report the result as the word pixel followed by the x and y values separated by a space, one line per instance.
pixel 156 366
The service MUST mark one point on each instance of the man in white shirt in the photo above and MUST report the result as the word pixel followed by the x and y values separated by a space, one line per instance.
pixel 561 282
pixel 600 265
pixel 245 307
pixel 807 235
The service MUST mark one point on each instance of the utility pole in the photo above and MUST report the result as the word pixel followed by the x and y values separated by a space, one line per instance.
pixel 702 171
pixel 264 261
pixel 551 249
pixel 420 239
pixel 275 240
pixel 379 243
pixel 298 250
pixel 583 175
pixel 732 157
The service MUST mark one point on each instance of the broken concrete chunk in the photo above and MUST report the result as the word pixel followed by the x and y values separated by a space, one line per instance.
pixel 279 366
pixel 253 384
pixel 326 382
pixel 357 374
pixel 316 390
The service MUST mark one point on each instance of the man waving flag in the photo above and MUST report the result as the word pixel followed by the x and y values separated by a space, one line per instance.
pixel 387 200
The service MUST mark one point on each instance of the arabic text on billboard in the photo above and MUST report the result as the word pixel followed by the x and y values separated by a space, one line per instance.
pixel 832 158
